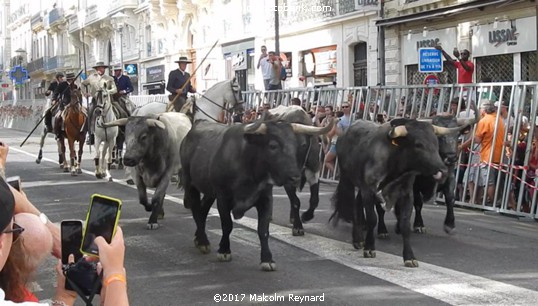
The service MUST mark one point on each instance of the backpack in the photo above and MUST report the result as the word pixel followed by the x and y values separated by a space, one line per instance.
pixel 283 73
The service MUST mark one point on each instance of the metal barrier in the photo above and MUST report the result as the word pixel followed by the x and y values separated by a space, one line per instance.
pixel 514 189
pixel 142 100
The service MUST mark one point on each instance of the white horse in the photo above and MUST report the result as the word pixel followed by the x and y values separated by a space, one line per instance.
pixel 218 102
pixel 106 135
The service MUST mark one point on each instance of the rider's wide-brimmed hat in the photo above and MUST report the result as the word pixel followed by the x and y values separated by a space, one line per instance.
pixel 183 59
pixel 100 64
pixel 70 76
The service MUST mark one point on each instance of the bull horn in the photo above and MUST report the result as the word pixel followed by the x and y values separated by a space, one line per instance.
pixel 155 123
pixel 425 120
pixel 312 130
pixel 256 128
pixel 119 122
pixel 440 131
pixel 399 131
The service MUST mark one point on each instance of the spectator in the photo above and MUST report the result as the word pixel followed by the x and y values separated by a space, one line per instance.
pixel 464 66
pixel 490 146
pixel 10 233
pixel 275 82
pixel 27 254
pixel 265 65
pixel 341 127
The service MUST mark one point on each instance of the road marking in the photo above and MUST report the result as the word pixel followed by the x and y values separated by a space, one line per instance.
pixel 450 286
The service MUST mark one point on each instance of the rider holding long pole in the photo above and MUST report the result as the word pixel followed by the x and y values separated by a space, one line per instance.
pixel 100 83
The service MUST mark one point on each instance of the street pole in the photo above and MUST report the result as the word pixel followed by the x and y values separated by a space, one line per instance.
pixel 121 47
pixel 277 38
pixel 381 47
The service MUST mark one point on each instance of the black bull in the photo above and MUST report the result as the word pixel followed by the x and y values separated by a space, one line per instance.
pixel 238 165
pixel 424 186
pixel 384 160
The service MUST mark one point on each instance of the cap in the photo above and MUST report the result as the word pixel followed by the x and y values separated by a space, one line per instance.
pixel 59 75
pixel 485 103
pixel 503 103
pixel 7 204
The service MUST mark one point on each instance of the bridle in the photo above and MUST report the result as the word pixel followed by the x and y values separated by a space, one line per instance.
pixel 228 111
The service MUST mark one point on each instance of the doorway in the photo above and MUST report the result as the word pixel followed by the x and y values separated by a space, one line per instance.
pixel 360 65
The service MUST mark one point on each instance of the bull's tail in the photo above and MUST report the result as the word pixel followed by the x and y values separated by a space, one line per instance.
pixel 343 200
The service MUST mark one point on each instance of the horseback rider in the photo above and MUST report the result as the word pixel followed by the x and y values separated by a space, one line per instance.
pixel 125 87
pixel 100 84
pixel 176 80
pixel 52 88
pixel 64 93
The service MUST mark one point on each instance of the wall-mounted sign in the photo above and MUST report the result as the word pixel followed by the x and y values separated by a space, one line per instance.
pixel 155 74
pixel 239 60
pixel 446 38
pixel 430 60
pixel 512 36
pixel 286 62
pixel 131 69
pixel 325 60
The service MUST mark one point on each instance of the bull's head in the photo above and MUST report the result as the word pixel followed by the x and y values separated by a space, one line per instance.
pixel 417 147
pixel 447 128
pixel 140 136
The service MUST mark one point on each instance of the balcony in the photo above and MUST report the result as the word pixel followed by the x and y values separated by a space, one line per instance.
pixel 54 17
pixel 36 22
pixel 312 11
pixel 95 13
pixel 62 63
pixel 37 66
pixel 118 5
pixel 73 23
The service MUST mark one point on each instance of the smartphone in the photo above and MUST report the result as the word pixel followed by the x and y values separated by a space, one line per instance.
pixel 71 232
pixel 15 182
pixel 101 220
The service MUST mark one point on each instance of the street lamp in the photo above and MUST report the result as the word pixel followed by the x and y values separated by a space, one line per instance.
pixel 119 21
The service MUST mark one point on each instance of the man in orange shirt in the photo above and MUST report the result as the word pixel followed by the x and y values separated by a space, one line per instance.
pixel 490 140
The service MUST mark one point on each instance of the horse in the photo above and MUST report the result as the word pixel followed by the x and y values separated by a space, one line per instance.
pixel 75 130
pixel 120 112
pixel 103 113
pixel 217 102
pixel 58 138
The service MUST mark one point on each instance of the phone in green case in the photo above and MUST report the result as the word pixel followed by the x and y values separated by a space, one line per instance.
pixel 101 220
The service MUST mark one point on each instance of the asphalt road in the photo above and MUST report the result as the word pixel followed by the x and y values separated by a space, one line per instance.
pixel 491 260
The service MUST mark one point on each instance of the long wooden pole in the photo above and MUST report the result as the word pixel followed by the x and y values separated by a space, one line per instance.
pixel 171 103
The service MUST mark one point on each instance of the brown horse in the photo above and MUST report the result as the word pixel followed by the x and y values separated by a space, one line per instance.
pixel 75 130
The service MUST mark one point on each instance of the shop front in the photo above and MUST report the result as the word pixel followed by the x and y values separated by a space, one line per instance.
pixel 319 66
pixel 240 62
pixel 155 80
pixel 505 51
pixel 412 42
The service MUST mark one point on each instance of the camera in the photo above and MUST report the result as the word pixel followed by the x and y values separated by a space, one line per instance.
pixel 83 276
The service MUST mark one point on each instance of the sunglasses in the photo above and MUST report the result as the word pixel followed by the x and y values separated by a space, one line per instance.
pixel 345 106
pixel 16 231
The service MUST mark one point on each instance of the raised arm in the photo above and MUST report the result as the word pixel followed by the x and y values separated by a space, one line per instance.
pixel 447 57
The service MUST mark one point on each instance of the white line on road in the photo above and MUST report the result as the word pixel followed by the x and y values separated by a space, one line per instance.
pixel 450 286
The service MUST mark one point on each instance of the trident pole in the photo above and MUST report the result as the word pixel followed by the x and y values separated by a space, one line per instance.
pixel 171 104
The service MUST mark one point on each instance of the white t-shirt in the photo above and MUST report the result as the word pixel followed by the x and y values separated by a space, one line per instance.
pixel 266 68
pixel 9 303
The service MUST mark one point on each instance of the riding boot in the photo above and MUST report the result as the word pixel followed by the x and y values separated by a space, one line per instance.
pixel 48 122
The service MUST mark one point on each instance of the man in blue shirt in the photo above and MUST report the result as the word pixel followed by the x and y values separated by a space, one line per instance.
pixel 125 87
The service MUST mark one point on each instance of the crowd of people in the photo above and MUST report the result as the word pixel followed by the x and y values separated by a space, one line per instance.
pixel 27 237
pixel 19 111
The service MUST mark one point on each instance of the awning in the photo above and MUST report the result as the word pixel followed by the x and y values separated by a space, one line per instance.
pixel 440 12
pixel 153 86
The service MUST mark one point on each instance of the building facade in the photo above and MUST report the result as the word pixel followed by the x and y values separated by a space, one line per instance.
pixel 500 35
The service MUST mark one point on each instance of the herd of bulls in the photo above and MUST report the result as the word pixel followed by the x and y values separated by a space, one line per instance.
pixel 399 163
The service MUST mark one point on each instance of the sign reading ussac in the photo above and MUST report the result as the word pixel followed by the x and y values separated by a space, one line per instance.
pixel 510 36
